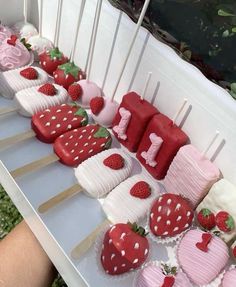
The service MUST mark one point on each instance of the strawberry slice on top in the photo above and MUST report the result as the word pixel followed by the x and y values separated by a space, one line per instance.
pixel 48 89
pixel 53 122
pixel 80 144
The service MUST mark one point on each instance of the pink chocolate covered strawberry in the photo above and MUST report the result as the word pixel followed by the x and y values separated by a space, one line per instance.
pixel 66 74
pixel 170 215
pixel 80 144
pixel 55 121
pixel 125 248
pixel 51 59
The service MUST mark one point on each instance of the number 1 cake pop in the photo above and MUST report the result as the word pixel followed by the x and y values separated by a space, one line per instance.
pixel 51 59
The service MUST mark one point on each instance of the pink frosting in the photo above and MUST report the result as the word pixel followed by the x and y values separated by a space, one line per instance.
pixel 5 33
pixel 229 279
pixel 152 276
pixel 107 114
pixel 89 91
pixel 13 57
pixel 191 174
pixel 202 267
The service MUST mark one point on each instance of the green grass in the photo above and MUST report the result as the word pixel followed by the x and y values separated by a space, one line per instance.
pixel 9 218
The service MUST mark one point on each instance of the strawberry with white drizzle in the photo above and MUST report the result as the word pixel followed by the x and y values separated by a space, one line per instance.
pixel 125 248
pixel 55 121
pixel 170 215
pixel 80 144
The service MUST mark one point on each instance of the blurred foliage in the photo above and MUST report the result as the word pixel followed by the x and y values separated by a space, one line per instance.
pixel 203 32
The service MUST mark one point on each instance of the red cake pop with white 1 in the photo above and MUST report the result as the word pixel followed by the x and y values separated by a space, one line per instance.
pixel 125 248
pixel 132 118
pixel 53 122
pixel 191 174
pixel 160 143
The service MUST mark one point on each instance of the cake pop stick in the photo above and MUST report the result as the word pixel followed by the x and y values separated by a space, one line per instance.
pixel 51 59
pixel 99 183
pixel 72 148
pixel 108 107
pixel 191 174
pixel 25 11
pixel 144 93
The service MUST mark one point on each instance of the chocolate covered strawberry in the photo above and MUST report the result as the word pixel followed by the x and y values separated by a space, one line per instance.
pixel 141 190
pixel 170 215
pixel 80 144
pixel 66 74
pixel 51 59
pixel 53 122
pixel 206 219
pixel 225 221
pixel 125 248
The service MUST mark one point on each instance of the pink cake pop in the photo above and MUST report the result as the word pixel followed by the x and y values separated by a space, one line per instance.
pixel 14 54
pixel 5 33
pixel 229 279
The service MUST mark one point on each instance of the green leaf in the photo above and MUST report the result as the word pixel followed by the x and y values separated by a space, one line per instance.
pixel 224 13
pixel 234 29
pixel 233 87
pixel 108 143
pixel 230 223
pixel 225 33
pixel 27 45
pixel 55 53
pixel 102 133
pixel 70 68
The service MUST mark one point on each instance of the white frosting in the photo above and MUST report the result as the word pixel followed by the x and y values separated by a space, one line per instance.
pixel 12 82
pixel 221 197
pixel 131 208
pixel 40 45
pixel 97 179
pixel 31 101
pixel 24 30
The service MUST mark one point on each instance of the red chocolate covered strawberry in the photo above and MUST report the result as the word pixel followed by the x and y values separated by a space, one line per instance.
pixel 66 74
pixel 170 215
pixel 51 59
pixel 206 219
pixel 80 144
pixel 225 221
pixel 53 122
pixel 125 247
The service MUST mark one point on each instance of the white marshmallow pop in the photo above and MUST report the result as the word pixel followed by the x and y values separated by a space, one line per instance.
pixel 98 179
pixel 35 99
pixel 13 81
pixel 24 30
pixel 40 45
pixel 135 195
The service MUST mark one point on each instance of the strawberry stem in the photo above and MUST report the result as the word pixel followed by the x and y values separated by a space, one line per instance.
pixel 138 229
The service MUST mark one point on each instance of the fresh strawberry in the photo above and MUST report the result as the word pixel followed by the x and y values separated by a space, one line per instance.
pixel 51 59
pixel 66 74
pixel 125 248
pixel 29 73
pixel 75 92
pixel 96 105
pixel 206 219
pixel 55 121
pixel 170 215
pixel 141 190
pixel 225 221
pixel 77 145
pixel 12 40
pixel 48 89
pixel 114 161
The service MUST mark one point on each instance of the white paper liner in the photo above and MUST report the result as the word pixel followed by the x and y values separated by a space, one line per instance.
pixel 98 248
pixel 166 240
pixel 214 283
pixel 157 264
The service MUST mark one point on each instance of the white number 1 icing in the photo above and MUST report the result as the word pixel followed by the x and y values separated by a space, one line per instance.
pixel 123 124
pixel 150 155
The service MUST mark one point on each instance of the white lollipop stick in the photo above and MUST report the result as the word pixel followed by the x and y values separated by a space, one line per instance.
pixel 112 50
pixel 40 18
pixel 94 38
pixel 77 30
pixel 58 23
pixel 144 93
pixel 179 111
pixel 211 143
pixel 25 10
pixel 140 20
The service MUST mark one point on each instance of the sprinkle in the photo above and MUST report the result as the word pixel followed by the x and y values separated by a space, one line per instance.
pixel 65 119
pixel 135 261
pixel 179 218
pixel 81 151
pixel 67 76
pixel 136 246
pixel 102 145
pixel 113 227
pixel 122 253
pixel 152 214
pixel 70 112
pixel 123 235
pixel 62 136
pixel 188 213
pixel 103 258
pixel 115 268
pixel 146 252
pixel 62 105
pixel 155 228
pixel 123 265
pixel 72 151
pixel 83 131
pixel 94 143
pixel 75 130
pixel 42 116
pixel 159 208
pixel 74 119
pixel 76 158
pixel 53 132
pixel 168 212
pixel 47 110
pixel 110 241
pixel 58 111
pixel 158 218
pixel 186 225
pixel 178 206
pixel 86 144
pixel 168 222
pixel 53 118
pixel 44 63
pixel 169 201
pixel 89 137
pixel 58 126
pixel 91 151
pixel 165 233
pixel 71 137
pixel 92 131
pixel 76 144
pixel 160 199
pixel 112 256
pixel 47 124
pixel 66 144
pixel 80 137
pixel 176 228
pixel 69 127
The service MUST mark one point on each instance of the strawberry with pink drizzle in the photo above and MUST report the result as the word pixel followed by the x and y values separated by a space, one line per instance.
pixel 14 54
pixel 80 144
pixel 55 121
pixel 155 274
pixel 202 256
